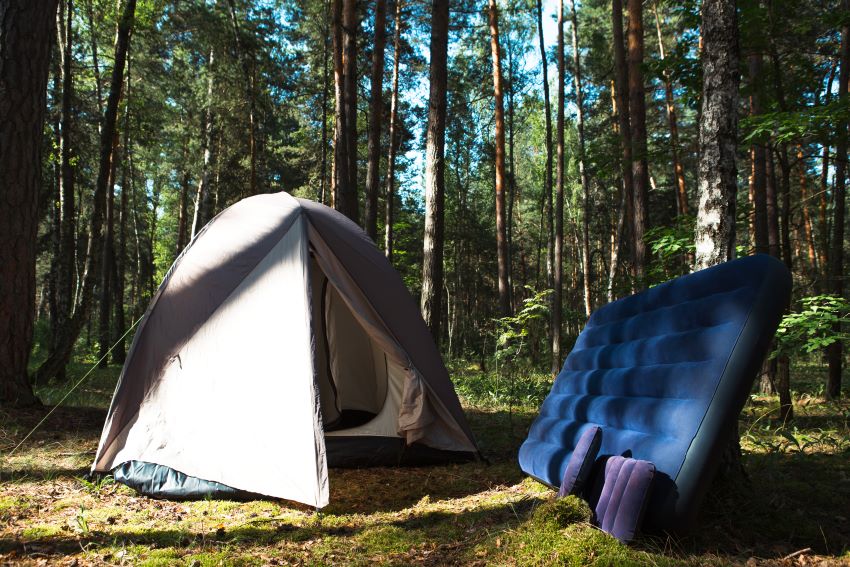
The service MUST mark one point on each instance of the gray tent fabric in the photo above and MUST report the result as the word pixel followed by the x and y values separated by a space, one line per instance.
pixel 230 377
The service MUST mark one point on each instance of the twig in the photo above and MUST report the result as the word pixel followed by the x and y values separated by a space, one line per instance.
pixel 796 553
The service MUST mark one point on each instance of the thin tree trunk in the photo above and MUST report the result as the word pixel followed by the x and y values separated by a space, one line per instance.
pixel 557 295
pixel 637 123
pixel 61 354
pixel 248 77
pixel 823 226
pixel 183 207
pixel 340 162
pixel 547 187
pixel 772 208
pixel 202 195
pixel 376 110
pixel 27 28
pixel 432 265
pixel 66 261
pixel 759 161
pixel 501 236
pixel 325 74
pixel 807 219
pixel 390 198
pixel 587 278
pixel 678 170
pixel 107 265
pixel 95 64
pixel 621 81
pixel 347 193
pixel 836 254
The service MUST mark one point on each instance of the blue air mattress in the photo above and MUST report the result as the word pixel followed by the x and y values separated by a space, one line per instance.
pixel 665 373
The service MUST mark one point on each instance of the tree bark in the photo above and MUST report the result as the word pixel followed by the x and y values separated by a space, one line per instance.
pixel 64 346
pixel 202 195
pixel 557 295
pixel 836 253
pixel 717 177
pixel 501 235
pixel 66 261
pixel 248 77
pixel 587 278
pixel 547 180
pixel 759 162
pixel 678 170
pixel 621 87
pixel 715 229
pixel 772 207
pixel 323 179
pixel 637 123
pixel 347 193
pixel 432 265
pixel 391 157
pixel 340 162
pixel 376 110
pixel 26 31
pixel 807 219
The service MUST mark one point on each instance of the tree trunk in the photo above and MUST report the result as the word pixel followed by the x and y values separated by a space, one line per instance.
pixel 501 235
pixel 26 32
pixel 836 253
pixel 772 207
pixel 807 219
pixel 248 77
pixel 824 188
pixel 347 193
pixel 390 198
pixel 759 164
pixel 715 229
pixel 62 352
pixel 202 195
pixel 376 110
pixel 717 178
pixel 621 83
pixel 587 278
pixel 432 265
pixel 183 207
pixel 557 295
pixel 107 263
pixel 547 180
pixel 678 170
pixel 66 261
pixel 340 162
pixel 323 179
pixel 637 123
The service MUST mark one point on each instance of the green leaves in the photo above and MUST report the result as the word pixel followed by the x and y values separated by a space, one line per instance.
pixel 814 327
pixel 512 333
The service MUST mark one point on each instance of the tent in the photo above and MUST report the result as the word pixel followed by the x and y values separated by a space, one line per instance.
pixel 280 342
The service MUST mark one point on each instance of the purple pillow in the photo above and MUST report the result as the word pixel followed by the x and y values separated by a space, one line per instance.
pixel 625 492
pixel 581 461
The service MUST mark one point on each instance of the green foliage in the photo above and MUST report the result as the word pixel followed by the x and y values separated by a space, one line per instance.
pixel 529 324
pixel 814 327
pixel 671 247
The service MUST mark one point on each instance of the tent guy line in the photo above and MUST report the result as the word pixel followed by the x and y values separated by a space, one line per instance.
pixel 74 387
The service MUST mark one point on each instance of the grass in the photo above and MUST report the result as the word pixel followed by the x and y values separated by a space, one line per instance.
pixel 797 498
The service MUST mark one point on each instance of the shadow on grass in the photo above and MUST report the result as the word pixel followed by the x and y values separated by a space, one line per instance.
pixel 462 530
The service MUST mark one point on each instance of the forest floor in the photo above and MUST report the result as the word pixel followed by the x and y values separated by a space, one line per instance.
pixel 793 510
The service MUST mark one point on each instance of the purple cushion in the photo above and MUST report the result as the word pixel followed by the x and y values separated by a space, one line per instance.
pixel 581 461
pixel 621 503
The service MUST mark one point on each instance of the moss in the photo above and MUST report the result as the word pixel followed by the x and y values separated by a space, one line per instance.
pixel 560 512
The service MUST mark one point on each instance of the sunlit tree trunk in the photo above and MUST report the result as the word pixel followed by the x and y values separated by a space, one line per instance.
pixel 391 157
pixel 547 180
pixel 347 194
pixel 501 237
pixel 435 142
pixel 245 60
pixel 717 174
pixel 587 278
pixel 557 282
pixel 202 195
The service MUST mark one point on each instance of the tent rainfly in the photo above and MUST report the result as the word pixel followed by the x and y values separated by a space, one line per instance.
pixel 280 342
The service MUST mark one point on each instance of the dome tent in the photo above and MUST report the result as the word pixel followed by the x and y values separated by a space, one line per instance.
pixel 280 342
